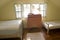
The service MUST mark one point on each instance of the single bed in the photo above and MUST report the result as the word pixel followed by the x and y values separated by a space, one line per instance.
pixel 12 28
pixel 52 25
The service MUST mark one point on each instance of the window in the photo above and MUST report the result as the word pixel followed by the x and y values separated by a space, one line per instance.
pixel 22 10
pixel 18 10
pixel 43 9
pixel 35 8
pixel 26 10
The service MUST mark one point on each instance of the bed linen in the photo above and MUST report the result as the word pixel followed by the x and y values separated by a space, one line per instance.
pixel 52 25
pixel 12 28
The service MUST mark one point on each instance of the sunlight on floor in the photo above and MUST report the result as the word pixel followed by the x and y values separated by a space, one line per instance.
pixel 28 38
pixel 35 36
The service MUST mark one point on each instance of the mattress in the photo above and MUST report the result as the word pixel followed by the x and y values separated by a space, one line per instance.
pixel 12 28
pixel 52 25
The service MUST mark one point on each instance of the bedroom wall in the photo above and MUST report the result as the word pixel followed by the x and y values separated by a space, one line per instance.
pixel 8 12
pixel 53 13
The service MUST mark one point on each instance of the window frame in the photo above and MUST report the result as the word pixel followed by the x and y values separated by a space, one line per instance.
pixel 22 16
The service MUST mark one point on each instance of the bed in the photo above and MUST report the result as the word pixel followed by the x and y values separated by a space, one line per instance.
pixel 52 25
pixel 9 29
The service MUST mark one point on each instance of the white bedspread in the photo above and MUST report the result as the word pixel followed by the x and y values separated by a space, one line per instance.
pixel 10 27
pixel 52 25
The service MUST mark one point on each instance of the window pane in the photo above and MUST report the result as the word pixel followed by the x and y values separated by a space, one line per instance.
pixel 42 13
pixel 26 10
pixel 35 8
pixel 42 6
pixel 18 14
pixel 45 6
pixel 18 7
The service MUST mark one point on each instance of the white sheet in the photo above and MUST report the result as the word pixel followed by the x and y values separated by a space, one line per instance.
pixel 52 25
pixel 10 27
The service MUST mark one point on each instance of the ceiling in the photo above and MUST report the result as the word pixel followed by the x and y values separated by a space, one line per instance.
pixel 3 2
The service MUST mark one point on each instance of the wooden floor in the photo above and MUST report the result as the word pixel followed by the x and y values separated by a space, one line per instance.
pixel 10 39
pixel 37 34
pixel 54 34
